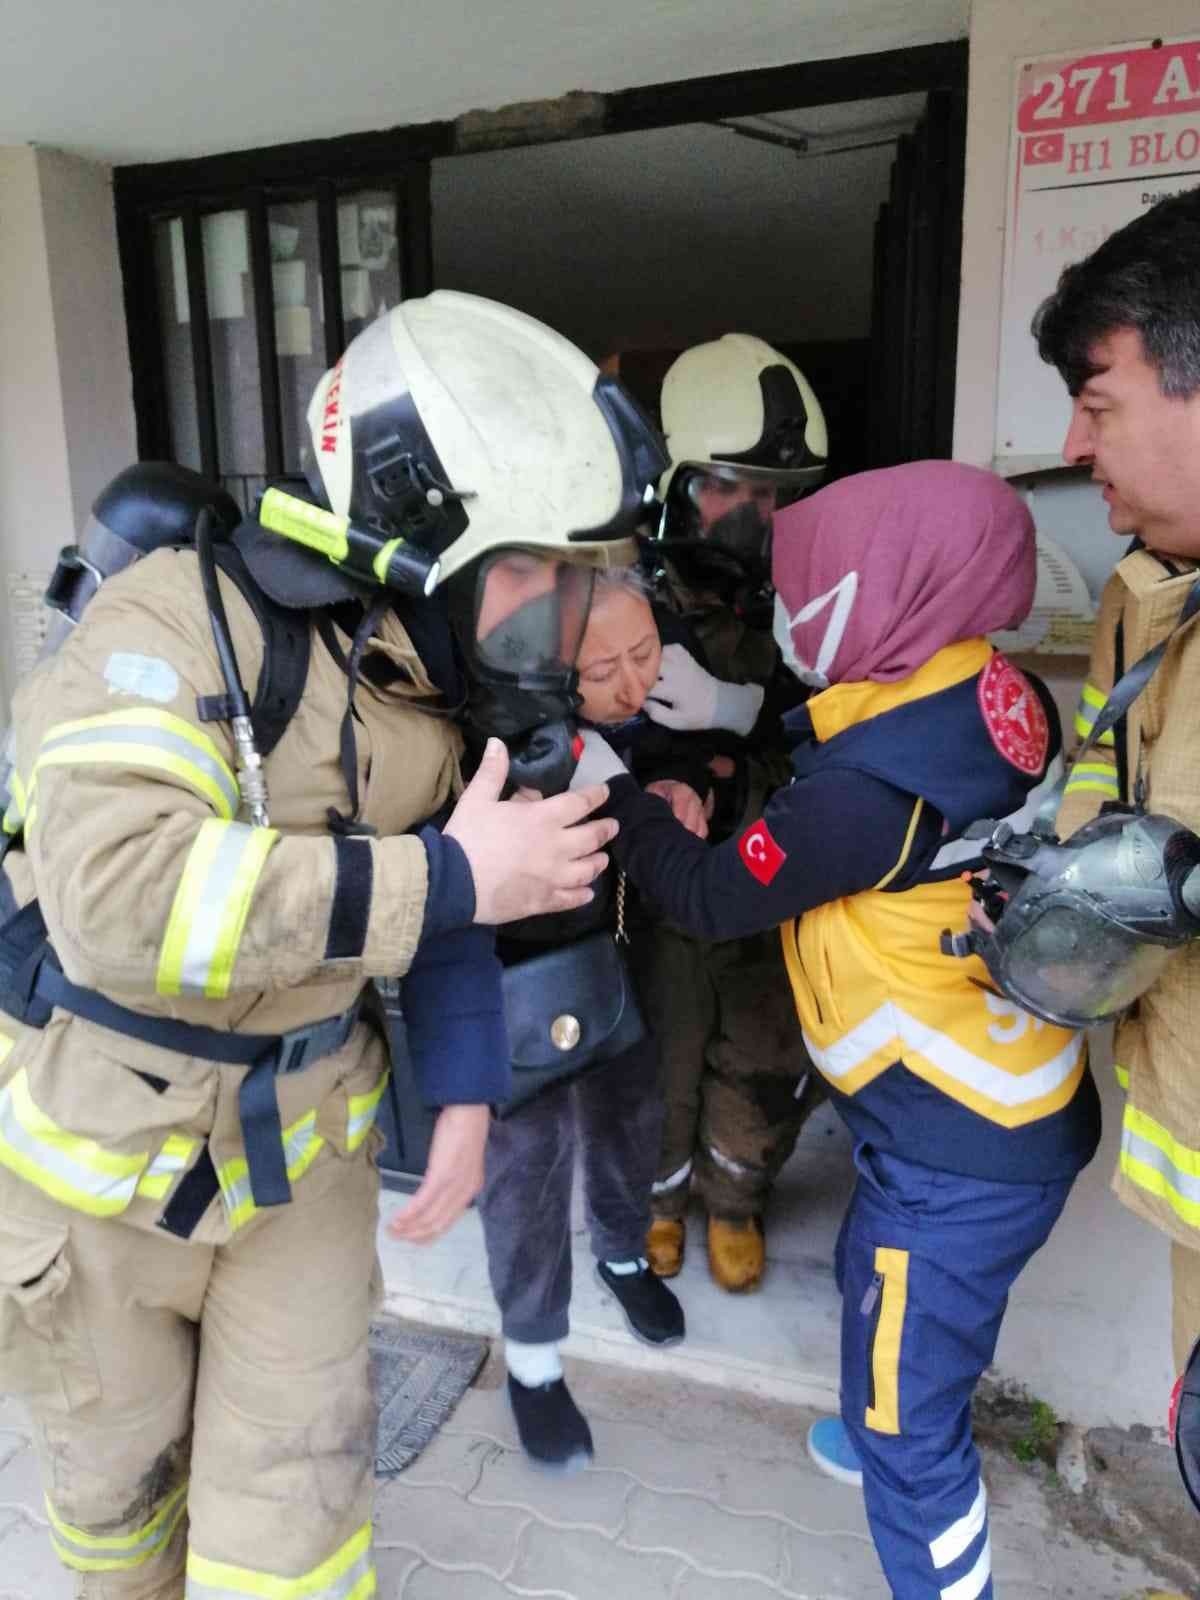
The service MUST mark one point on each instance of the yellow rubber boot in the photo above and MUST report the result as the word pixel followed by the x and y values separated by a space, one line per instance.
pixel 664 1246
pixel 736 1253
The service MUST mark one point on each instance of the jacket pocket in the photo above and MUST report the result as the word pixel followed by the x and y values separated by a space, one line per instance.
pixel 46 1356
pixel 884 1305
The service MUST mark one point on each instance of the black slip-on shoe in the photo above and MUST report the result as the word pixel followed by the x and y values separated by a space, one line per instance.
pixel 553 1431
pixel 653 1313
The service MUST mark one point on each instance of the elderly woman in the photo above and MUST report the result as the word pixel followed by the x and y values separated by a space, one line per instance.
pixel 610 1115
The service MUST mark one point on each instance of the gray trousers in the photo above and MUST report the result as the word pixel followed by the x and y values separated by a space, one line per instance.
pixel 613 1116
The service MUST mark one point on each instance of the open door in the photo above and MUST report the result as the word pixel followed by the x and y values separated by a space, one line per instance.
pixel 914 319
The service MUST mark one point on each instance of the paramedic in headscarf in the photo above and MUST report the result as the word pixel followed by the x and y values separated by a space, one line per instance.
pixel 970 1119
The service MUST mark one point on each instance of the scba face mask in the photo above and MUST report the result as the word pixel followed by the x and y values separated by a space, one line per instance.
pixel 1082 928
pixel 520 618
pixel 716 530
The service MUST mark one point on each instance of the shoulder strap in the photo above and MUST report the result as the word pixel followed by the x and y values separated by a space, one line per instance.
pixel 287 645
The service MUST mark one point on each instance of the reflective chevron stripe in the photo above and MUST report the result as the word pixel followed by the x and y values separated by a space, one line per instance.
pixel 143 737
pixel 116 1552
pixel 1100 776
pixel 348 1574
pixel 1090 702
pixel 301 1146
pixel 210 908
pixel 75 1171
pixel 1156 1161
pixel 170 1161
pixel 1011 1098
pixel 360 1114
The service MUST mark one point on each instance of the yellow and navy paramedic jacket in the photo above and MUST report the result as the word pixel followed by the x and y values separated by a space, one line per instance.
pixel 861 861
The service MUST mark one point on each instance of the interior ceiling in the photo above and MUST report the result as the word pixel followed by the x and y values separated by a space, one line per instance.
pixel 155 80
pixel 658 239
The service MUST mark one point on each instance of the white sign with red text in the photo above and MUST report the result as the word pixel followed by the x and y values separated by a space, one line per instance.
pixel 1096 139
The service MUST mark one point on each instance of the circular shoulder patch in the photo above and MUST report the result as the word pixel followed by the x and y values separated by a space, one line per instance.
pixel 1013 715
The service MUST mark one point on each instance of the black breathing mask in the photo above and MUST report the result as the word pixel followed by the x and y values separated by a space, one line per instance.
pixel 520 616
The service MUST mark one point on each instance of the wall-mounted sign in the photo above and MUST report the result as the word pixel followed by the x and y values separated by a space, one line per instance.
pixel 1096 138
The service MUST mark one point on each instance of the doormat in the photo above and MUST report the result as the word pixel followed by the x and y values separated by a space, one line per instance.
pixel 418 1378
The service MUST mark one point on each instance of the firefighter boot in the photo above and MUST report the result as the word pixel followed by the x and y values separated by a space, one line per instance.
pixel 736 1253
pixel 665 1239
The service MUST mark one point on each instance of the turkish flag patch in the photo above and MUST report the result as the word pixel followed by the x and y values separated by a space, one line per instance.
pixel 761 856
pixel 1014 715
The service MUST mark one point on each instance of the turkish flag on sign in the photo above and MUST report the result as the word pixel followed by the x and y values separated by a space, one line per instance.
pixel 759 852
pixel 1041 147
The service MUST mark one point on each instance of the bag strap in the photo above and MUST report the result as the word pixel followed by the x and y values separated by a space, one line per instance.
pixel 1120 697
pixel 621 936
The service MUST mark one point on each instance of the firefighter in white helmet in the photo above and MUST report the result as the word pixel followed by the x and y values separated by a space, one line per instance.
pixel 187 1081
pixel 745 433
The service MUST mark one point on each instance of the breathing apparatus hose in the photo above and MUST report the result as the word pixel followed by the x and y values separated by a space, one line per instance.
pixel 251 778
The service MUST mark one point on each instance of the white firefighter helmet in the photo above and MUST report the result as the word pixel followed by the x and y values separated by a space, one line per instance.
pixel 736 402
pixel 745 434
pixel 466 426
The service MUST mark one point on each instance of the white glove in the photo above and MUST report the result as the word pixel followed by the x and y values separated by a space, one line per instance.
pixel 687 698
pixel 598 763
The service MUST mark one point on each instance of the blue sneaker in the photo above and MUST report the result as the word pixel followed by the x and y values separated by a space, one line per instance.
pixel 831 1449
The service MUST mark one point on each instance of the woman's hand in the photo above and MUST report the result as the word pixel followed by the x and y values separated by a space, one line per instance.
pixel 686 805
pixel 453 1175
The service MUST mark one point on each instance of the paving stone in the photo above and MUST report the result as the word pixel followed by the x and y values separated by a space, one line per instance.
pixel 586 1566
pixel 662 1463
pixel 445 1529
pixel 28 1566
pixel 20 1482
pixel 797 1493
pixel 392 1571
pixel 593 1499
pixel 450 1461
pixel 703 1535
pixel 431 1583
pixel 704 1586
pixel 833 1566
pixel 485 1413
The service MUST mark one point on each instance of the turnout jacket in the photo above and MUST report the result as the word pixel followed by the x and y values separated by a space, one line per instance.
pixel 1155 752
pixel 861 861
pixel 155 895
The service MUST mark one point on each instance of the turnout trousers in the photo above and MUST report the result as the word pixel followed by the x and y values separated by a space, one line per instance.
pixel 201 1413
pixel 925 1261
pixel 737 1083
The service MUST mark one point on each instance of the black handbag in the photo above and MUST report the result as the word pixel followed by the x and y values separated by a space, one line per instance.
pixel 569 1011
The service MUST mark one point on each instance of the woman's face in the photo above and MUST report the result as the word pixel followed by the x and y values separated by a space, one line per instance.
pixel 619 657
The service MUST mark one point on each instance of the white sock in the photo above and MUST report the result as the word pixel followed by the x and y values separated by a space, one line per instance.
pixel 533 1364
pixel 625 1269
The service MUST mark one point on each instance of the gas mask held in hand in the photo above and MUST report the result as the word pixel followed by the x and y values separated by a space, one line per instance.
pixel 1082 928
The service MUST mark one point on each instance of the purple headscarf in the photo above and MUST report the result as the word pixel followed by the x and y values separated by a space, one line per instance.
pixel 893 565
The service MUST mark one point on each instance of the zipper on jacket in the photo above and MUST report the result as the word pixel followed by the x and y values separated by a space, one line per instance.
pixel 872 1306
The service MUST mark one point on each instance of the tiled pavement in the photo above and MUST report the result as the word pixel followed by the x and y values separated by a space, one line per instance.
pixel 695 1494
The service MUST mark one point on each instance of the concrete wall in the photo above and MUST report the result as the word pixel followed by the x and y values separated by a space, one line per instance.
pixel 66 406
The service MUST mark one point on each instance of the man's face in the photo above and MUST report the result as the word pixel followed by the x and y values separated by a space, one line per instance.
pixel 1142 445
pixel 715 497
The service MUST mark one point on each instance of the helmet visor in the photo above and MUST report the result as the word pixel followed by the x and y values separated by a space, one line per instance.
pixel 530 613
pixel 642 456
pixel 1073 966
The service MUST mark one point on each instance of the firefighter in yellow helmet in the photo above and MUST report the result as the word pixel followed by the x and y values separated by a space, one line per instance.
pixel 189 922
pixel 745 433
